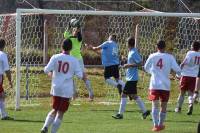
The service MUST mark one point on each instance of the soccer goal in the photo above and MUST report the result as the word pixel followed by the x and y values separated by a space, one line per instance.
pixel 39 33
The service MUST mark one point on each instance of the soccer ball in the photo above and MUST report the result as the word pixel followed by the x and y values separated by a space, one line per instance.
pixel 75 23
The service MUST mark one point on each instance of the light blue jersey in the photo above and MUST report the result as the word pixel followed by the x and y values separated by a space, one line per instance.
pixel 109 53
pixel 132 72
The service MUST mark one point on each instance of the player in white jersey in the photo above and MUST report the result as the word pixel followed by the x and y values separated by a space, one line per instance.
pixel 4 68
pixel 190 69
pixel 159 65
pixel 62 67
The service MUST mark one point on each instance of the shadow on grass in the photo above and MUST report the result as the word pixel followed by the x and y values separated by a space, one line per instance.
pixel 182 121
pixel 37 121
pixel 111 110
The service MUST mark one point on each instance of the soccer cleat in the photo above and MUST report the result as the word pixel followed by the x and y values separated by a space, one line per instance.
pixel 144 115
pixel 44 130
pixel 118 116
pixel 177 110
pixel 190 109
pixel 7 118
pixel 119 87
pixel 91 98
pixel 155 128
pixel 158 128
pixel 161 127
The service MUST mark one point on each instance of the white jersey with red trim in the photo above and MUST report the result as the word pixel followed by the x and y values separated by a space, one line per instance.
pixel 4 65
pixel 159 65
pixel 191 64
pixel 64 67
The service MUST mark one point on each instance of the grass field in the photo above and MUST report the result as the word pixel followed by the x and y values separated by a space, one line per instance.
pixel 95 117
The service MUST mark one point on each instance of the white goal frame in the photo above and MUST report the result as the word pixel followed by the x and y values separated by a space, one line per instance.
pixel 20 12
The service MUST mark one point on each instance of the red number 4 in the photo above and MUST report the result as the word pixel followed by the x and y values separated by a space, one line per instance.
pixel 63 66
pixel 160 63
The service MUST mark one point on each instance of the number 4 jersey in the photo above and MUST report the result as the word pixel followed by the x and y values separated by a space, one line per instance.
pixel 64 67
pixel 159 65
pixel 191 64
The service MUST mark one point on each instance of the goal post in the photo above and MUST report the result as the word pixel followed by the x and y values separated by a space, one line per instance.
pixel 149 25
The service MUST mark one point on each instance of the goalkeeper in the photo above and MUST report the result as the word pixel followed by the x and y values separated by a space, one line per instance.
pixel 76 38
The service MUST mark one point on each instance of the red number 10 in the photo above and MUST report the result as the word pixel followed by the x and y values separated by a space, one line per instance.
pixel 63 66
pixel 160 63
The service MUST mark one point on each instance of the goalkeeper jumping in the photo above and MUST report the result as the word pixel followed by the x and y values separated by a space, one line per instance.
pixel 76 38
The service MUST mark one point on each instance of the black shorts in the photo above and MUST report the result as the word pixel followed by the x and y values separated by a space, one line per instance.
pixel 130 87
pixel 198 73
pixel 111 71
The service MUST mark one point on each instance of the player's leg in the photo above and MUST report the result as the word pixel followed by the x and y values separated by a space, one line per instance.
pixel 162 115
pixel 51 115
pixel 138 100
pixel 122 107
pixel 86 80
pixel 141 105
pixel 197 88
pixel 190 103
pixel 62 107
pixel 57 122
pixel 180 101
pixel 49 120
pixel 191 88
pixel 155 114
pixel 3 113
pixel 183 87
pixel 164 98
pixel 112 71
pixel 88 86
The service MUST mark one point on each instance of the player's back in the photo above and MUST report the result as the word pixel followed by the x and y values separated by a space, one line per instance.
pixel 159 66
pixel 110 53
pixel 191 64
pixel 64 67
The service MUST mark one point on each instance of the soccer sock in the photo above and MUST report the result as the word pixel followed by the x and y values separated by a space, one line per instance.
pixel 55 125
pixel 122 83
pixel 195 95
pixel 89 87
pixel 190 99
pixel 111 82
pixel 2 109
pixel 162 117
pixel 140 103
pixel 180 101
pixel 122 105
pixel 155 116
pixel 49 120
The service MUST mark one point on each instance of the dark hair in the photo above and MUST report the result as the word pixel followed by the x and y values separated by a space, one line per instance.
pixel 161 44
pixel 67 45
pixel 131 42
pixel 2 43
pixel 196 45
pixel 113 37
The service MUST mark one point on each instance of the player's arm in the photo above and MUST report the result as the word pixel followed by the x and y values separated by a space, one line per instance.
pixel 185 61
pixel 7 70
pixel 50 66
pixel 175 67
pixel 137 61
pixel 147 64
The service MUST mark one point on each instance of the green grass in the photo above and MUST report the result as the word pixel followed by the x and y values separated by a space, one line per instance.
pixel 95 117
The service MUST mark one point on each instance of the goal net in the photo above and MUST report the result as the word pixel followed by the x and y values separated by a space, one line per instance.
pixel 39 33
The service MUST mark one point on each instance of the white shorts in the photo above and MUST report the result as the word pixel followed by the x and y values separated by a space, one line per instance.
pixel 81 65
